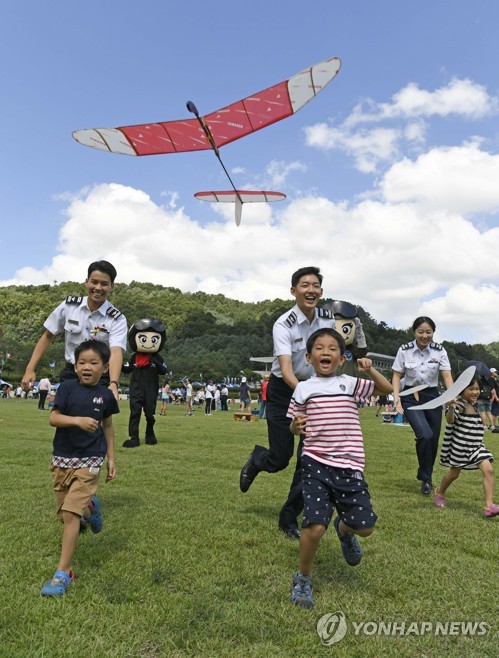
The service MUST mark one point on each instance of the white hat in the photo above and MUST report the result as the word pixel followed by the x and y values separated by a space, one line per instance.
pixel 493 370
pixel 243 380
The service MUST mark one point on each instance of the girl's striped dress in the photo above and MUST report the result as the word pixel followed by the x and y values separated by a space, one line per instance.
pixel 463 445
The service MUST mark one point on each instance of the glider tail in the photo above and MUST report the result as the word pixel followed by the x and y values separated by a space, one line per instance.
pixel 239 209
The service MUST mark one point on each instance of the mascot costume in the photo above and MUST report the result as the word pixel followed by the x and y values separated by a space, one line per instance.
pixel 350 327
pixel 146 338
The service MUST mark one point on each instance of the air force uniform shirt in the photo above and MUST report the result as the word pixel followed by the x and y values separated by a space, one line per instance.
pixel 421 366
pixel 79 323
pixel 290 334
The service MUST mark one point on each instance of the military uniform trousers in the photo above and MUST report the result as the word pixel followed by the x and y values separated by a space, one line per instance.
pixel 281 448
pixel 426 425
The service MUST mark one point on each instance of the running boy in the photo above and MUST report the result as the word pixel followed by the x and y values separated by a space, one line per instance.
pixel 82 416
pixel 324 409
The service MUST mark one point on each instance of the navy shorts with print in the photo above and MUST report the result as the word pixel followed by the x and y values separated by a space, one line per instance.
pixel 326 488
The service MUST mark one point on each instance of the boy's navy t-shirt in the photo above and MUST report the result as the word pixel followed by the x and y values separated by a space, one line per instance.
pixel 75 399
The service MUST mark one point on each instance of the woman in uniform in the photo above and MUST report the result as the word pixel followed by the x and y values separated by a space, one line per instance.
pixel 421 362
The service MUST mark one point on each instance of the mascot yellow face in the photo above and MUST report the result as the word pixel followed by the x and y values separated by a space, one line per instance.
pixel 147 336
pixel 347 328
pixel 148 341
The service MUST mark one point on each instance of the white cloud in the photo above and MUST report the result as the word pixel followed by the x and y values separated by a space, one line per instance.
pixel 415 131
pixel 171 197
pixel 464 98
pixel 397 260
pixel 367 147
pixel 274 176
pixel 465 302
pixel 461 178
pixel 278 171
pixel 406 116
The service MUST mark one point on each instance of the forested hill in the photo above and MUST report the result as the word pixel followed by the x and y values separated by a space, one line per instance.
pixel 208 334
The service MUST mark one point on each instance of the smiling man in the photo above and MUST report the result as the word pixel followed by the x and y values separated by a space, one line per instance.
pixel 290 366
pixel 83 318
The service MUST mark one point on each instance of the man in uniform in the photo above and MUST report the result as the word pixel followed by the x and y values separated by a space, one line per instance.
pixel 290 366
pixel 84 318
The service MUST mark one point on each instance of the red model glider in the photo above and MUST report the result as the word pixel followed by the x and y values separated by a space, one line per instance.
pixel 212 131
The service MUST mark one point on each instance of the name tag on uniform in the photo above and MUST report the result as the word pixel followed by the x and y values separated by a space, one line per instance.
pixel 94 470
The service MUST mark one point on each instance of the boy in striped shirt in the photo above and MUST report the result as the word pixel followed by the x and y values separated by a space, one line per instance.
pixel 325 409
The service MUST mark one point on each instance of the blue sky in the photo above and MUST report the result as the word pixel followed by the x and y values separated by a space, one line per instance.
pixel 391 173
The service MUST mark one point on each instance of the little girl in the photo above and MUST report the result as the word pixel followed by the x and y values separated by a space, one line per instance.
pixel 165 397
pixel 463 447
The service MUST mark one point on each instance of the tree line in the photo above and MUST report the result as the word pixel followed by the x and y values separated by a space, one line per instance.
pixel 210 336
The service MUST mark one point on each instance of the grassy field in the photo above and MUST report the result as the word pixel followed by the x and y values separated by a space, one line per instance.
pixel 188 566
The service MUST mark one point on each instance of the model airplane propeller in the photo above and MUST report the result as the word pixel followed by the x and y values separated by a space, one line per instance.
pixel 217 129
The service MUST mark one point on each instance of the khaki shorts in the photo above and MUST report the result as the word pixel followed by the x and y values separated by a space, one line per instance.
pixel 73 488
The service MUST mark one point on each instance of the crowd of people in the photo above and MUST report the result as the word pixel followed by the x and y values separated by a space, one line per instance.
pixel 212 397
pixel 306 396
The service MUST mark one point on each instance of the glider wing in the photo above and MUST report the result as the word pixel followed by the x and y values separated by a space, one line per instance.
pixel 226 125
pixel 245 196
pixel 452 392
pixel 414 389
pixel 239 197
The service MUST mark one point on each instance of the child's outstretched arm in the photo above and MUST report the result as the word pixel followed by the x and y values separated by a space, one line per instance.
pixel 396 377
pixel 449 411
pixel 108 429
pixel 381 384
pixel 115 363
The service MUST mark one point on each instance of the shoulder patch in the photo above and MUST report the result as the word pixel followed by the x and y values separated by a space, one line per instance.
pixel 291 319
pixel 74 299
pixel 436 346
pixel 325 313
pixel 113 312
pixel 407 346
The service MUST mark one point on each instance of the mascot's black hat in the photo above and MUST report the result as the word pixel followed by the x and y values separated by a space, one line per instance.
pixel 344 309
pixel 147 325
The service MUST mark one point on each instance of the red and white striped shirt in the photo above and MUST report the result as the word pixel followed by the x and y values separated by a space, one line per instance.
pixel 333 433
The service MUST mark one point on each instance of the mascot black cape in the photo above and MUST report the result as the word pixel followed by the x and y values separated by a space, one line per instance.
pixel 146 338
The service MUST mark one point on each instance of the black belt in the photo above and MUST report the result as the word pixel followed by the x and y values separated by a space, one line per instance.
pixel 272 376
pixel 424 390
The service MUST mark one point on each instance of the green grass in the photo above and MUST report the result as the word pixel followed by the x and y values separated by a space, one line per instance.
pixel 188 566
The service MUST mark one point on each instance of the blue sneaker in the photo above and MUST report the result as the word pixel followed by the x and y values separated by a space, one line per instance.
pixel 95 519
pixel 58 585
pixel 352 551
pixel 301 593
